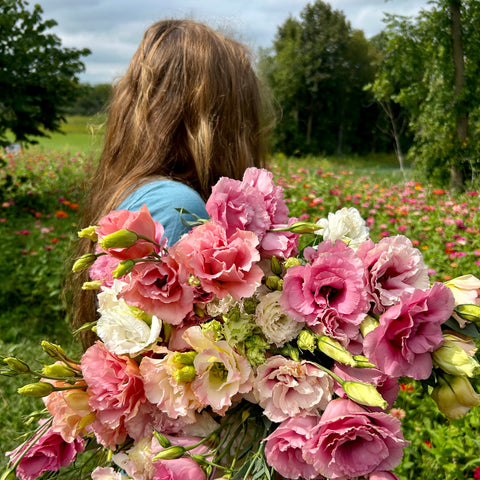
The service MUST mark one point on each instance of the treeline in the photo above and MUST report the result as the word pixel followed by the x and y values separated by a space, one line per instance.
pixel 91 99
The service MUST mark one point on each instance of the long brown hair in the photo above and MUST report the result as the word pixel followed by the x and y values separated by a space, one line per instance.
pixel 190 107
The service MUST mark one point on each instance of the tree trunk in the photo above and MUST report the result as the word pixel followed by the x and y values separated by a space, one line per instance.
pixel 457 180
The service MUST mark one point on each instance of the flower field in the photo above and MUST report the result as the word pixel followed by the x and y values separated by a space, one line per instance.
pixel 41 199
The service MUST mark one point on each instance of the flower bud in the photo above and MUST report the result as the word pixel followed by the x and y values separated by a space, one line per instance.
pixel 301 227
pixel 184 358
pixel 162 439
pixel 58 370
pixel 362 362
pixel 93 285
pixel 455 396
pixel 54 351
pixel 175 451
pixel 307 340
pixel 364 394
pixel 291 352
pixel 185 374
pixel 89 232
pixel 453 358
pixel 119 239
pixel 368 324
pixel 123 268
pixel 273 282
pixel 335 350
pixel 17 365
pixel 84 262
pixel 291 262
pixel 8 474
pixel 39 389
pixel 471 313
pixel 215 327
pixel 200 459
pixel 275 266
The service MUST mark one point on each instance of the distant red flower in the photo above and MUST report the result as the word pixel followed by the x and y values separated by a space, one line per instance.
pixel 406 387
pixel 476 473
pixel 438 192
pixel 428 444
pixel 61 214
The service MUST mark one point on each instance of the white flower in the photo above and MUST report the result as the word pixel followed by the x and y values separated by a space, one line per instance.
pixel 275 324
pixel 221 306
pixel 345 224
pixel 122 328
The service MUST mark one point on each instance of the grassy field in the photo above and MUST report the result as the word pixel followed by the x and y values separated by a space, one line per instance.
pixel 42 193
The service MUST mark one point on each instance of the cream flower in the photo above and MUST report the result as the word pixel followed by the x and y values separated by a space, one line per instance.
pixel 221 372
pixel 275 324
pixel 346 224
pixel 122 328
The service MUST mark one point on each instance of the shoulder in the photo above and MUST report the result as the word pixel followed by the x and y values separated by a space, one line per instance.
pixel 163 198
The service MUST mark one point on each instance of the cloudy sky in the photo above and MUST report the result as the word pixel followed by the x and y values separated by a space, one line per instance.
pixel 112 29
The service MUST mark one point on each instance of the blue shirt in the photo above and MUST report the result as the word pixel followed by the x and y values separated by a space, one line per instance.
pixel 162 197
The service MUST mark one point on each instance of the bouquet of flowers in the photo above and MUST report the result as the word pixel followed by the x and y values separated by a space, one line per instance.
pixel 256 347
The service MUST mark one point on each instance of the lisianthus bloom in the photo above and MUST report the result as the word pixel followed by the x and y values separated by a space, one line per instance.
pixel 123 329
pixel 285 388
pixel 46 452
pixel 102 269
pixel 346 224
pixel 223 264
pixel 465 289
pixel 140 222
pixel 161 289
pixel 382 476
pixel 115 390
pixel 328 293
pixel 107 473
pixel 221 372
pixel 409 331
pixel 393 266
pixel 275 324
pixel 386 386
pixel 350 441
pixel 283 448
pixel 171 395
pixel 70 411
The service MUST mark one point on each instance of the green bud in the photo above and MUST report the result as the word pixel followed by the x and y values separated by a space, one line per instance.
pixel 39 389
pixel 175 451
pixel 184 358
pixel 200 459
pixel 140 314
pixel 89 232
pixel 54 351
pixel 291 352
pixel 194 281
pixel 301 227
pixel 275 266
pixel 468 312
pixel 123 268
pixel 369 323
pixel 84 262
pixel 250 306
pixel 307 340
pixel 58 370
pixel 364 394
pixel 185 374
pixel 119 239
pixel 215 326
pixel 94 285
pixel 453 359
pixel 273 282
pixel 162 439
pixel 17 365
pixel 362 362
pixel 335 350
pixel 291 262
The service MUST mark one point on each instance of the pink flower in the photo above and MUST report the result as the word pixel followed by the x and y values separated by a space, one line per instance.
pixel 350 442
pixel 393 266
pixel 115 390
pixel 280 244
pixel 283 449
pixel 160 289
pixel 102 269
pixel 328 293
pixel 139 222
pixel 106 473
pixel 383 476
pixel 224 265
pixel 172 397
pixel 221 372
pixel 47 453
pixel 409 331
pixel 285 388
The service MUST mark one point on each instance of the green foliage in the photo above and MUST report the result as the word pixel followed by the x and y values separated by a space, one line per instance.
pixel 91 99
pixel 38 78
pixel 317 71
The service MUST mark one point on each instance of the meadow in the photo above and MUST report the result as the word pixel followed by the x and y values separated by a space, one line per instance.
pixel 41 196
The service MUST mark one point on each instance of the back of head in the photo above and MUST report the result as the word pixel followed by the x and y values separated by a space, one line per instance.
pixel 188 108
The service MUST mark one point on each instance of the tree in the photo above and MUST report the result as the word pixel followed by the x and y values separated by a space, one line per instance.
pixel 38 78
pixel 316 71
pixel 92 99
